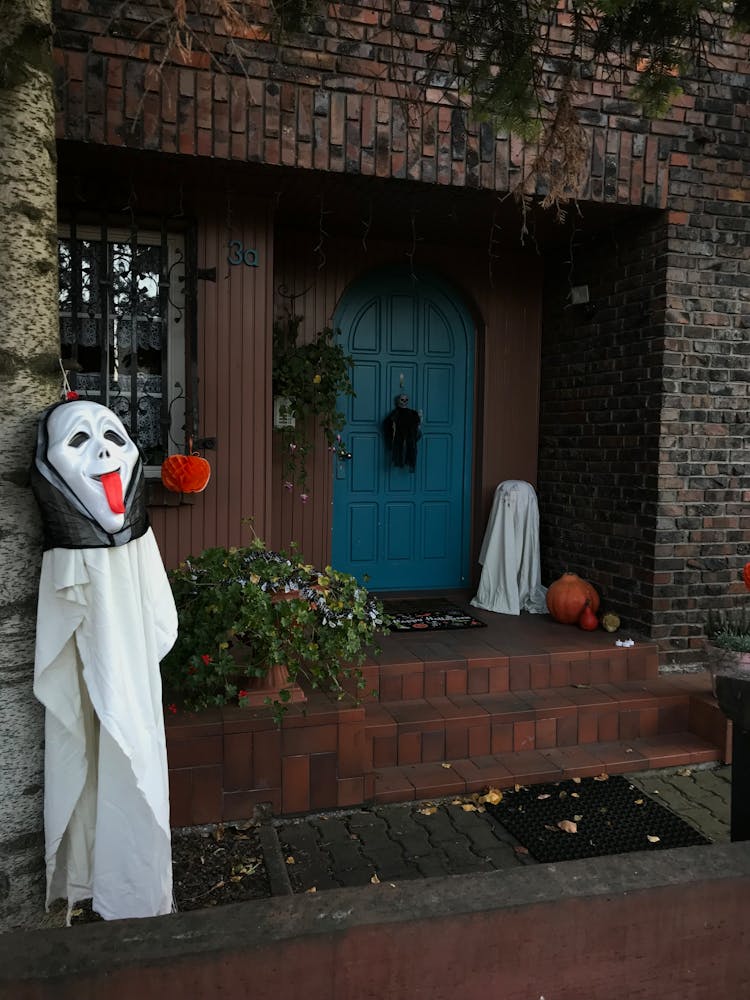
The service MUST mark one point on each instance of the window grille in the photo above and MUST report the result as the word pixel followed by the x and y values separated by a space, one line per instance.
pixel 122 328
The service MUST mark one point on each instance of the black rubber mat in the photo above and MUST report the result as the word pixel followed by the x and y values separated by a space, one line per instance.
pixel 427 614
pixel 569 820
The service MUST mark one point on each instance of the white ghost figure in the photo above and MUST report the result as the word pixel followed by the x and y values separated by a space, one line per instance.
pixel 91 450
pixel 511 574
pixel 105 619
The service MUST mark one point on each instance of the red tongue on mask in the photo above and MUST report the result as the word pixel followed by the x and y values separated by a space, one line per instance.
pixel 113 489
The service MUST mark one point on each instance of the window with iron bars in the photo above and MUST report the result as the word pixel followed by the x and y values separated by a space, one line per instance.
pixel 122 329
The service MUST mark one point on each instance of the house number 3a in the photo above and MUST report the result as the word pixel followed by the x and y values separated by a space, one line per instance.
pixel 238 254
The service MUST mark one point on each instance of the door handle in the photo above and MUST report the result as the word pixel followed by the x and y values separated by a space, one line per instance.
pixel 342 456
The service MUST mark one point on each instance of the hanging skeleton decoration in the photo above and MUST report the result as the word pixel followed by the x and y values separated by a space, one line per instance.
pixel 106 617
pixel 402 431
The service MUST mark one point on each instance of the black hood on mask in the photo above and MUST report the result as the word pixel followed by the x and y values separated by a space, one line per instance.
pixel 67 523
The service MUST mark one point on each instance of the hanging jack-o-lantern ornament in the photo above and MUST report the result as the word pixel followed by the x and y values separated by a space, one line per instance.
pixel 185 473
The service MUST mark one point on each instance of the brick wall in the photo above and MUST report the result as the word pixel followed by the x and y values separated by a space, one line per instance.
pixel 350 95
pixel 600 414
pixel 645 403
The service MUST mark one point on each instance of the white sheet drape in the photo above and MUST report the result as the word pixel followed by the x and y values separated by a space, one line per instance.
pixel 511 573
pixel 105 619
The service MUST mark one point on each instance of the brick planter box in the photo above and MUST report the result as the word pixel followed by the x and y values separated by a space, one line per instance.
pixel 226 763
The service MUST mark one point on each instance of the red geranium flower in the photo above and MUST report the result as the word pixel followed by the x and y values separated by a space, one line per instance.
pixel 206 658
pixel 172 708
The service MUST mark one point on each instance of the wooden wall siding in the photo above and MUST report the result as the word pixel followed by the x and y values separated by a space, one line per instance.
pixel 508 316
pixel 234 367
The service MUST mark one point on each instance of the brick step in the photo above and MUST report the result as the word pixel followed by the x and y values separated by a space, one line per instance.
pixel 529 767
pixel 432 730
pixel 434 669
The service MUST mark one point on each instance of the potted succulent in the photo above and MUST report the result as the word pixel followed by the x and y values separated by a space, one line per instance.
pixel 728 637
pixel 244 612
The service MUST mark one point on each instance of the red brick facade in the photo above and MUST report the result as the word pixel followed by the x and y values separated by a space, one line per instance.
pixel 642 465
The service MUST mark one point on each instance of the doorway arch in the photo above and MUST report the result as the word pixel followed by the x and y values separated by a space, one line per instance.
pixel 397 527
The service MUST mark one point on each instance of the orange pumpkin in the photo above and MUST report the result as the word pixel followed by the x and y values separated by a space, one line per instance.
pixel 567 597
pixel 185 473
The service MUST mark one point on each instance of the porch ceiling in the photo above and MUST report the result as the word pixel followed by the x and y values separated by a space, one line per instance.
pixel 345 204
pixel 373 208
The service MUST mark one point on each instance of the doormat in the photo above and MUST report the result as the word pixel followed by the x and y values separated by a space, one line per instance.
pixel 590 818
pixel 423 614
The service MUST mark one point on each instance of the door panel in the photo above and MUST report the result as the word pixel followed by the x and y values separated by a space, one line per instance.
pixel 404 529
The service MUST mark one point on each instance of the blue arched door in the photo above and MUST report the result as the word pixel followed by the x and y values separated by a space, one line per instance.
pixel 402 529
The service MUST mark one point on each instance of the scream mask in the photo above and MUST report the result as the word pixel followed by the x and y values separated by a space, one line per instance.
pixel 88 478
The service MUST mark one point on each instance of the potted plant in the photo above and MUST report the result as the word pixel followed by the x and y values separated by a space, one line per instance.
pixel 308 381
pixel 728 637
pixel 245 611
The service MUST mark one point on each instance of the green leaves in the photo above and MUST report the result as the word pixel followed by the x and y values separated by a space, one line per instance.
pixel 312 376
pixel 510 56
pixel 243 610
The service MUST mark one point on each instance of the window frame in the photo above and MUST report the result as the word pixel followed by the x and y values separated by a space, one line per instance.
pixel 178 336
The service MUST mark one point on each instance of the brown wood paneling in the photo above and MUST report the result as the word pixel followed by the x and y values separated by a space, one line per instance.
pixel 234 390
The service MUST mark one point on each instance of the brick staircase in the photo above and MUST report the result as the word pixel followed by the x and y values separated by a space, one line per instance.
pixel 526 719
pixel 445 716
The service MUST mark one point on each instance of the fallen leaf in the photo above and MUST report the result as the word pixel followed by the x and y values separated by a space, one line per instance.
pixel 218 833
pixel 311 889
pixel 78 912
pixel 684 772
pixel 235 878
pixel 428 810
pixel 246 869
pixel 576 781
pixel 457 802
pixel 517 788
pixel 493 796
pixel 469 807
pixel 568 826
pixel 638 802
pixel 446 764
pixel 563 794
pixel 578 818
pixel 602 777
pixel 481 809
pixel 521 850
pixel 290 860
pixel 552 828
pixel 375 880
pixel 575 795
pixel 652 839
pixel 628 749
pixel 545 796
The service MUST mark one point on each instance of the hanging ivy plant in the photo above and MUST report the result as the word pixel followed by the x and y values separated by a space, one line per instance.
pixel 311 377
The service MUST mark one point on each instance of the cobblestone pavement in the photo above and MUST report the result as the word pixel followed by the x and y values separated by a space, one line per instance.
pixel 412 840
